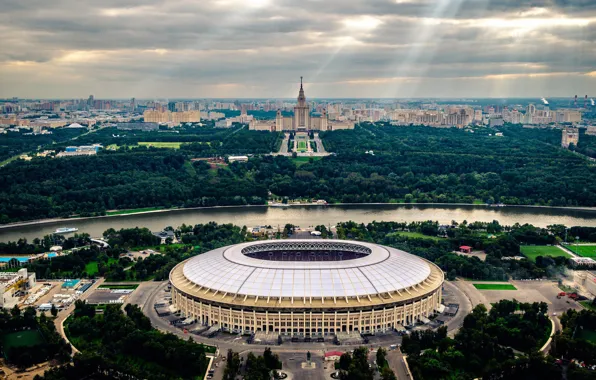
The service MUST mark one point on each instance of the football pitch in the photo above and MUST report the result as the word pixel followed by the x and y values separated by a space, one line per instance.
pixel 533 251
pixel 26 338
pixel 583 250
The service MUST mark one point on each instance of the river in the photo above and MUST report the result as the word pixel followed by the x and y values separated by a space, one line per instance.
pixel 305 216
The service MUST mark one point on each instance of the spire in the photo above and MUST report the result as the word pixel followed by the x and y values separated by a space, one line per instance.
pixel 301 97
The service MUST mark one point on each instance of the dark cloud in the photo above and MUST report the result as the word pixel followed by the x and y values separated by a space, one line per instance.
pixel 217 42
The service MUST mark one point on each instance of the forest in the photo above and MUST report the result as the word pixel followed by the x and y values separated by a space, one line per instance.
pixel 122 344
pixel 408 164
pixel 483 347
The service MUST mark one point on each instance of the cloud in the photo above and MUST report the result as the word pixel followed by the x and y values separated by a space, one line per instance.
pixel 258 48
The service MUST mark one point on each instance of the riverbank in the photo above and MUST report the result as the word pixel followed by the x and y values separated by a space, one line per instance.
pixel 122 213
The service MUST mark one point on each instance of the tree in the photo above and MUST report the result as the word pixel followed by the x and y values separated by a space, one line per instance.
pixel 387 374
pixel 344 361
pixel 381 357
pixel 54 311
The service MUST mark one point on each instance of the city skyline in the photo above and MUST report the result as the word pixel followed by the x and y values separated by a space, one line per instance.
pixel 256 49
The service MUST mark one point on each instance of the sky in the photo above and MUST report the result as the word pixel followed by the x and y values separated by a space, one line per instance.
pixel 260 48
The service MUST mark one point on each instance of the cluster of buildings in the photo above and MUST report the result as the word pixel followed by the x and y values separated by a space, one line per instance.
pixel 83 150
pixel 174 117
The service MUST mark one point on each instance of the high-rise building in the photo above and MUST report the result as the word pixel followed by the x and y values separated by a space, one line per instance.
pixel 172 106
pixel 569 136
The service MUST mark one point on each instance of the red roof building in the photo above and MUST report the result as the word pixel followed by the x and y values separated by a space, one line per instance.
pixel 333 355
pixel 465 249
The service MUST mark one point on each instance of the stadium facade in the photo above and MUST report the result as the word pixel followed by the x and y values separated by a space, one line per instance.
pixel 306 287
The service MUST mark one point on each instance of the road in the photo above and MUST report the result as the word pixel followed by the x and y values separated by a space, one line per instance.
pixel 320 147
pixel 62 315
pixel 396 361
pixel 283 150
pixel 454 294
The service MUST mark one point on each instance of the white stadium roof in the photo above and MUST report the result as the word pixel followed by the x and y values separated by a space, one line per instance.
pixel 380 270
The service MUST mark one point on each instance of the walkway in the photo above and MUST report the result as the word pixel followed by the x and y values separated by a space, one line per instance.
pixel 320 147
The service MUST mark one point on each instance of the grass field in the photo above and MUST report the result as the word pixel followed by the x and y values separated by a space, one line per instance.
pixel 494 287
pixel 299 161
pixel 131 286
pixel 91 267
pixel 588 305
pixel 133 210
pixel 301 145
pixel 586 334
pixel 26 338
pixel 417 235
pixel 533 251
pixel 583 250
pixel 170 145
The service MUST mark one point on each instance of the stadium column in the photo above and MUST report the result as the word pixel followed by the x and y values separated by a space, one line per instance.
pixel 304 322
pixel 279 321
pixel 348 323
pixel 384 320
pixel 219 317
pixel 243 321
pixel 323 322
pixel 231 321
pixel 201 312
pixel 310 324
pixel 335 322
pixel 266 321
pixel 394 316
pixel 373 322
pixel 254 321
pixel 360 322
pixel 292 323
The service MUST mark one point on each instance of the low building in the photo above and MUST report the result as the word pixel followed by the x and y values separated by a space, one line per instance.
pixel 164 235
pixel 12 284
pixel 465 249
pixel 237 158
pixel 586 279
pixel 333 355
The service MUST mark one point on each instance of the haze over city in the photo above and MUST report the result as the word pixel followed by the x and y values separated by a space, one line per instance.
pixel 258 48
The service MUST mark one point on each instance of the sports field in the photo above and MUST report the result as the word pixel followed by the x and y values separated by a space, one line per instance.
pixel 27 338
pixel 533 251
pixel 587 334
pixel 494 287
pixel 170 145
pixel 583 250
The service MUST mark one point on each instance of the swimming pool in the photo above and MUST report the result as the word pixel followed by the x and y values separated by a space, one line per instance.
pixel 19 259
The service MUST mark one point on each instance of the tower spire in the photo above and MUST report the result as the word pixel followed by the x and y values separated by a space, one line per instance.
pixel 300 82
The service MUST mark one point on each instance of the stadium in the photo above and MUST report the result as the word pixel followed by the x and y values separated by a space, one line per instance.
pixel 306 288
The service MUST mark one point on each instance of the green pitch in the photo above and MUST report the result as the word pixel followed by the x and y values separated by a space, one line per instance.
pixel 301 145
pixel 533 251
pixel 583 250
pixel 494 287
pixel 171 145
pixel 27 338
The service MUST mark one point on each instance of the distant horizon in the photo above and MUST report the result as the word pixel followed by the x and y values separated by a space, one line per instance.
pixel 463 98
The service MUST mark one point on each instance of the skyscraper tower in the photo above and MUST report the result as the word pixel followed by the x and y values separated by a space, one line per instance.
pixel 301 119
